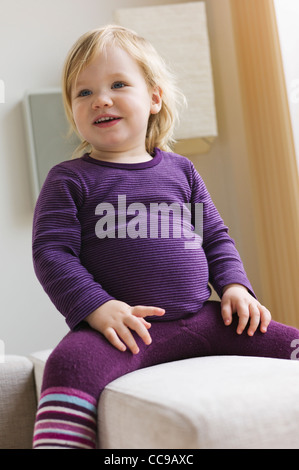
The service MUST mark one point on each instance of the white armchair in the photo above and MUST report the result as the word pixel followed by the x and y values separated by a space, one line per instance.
pixel 216 402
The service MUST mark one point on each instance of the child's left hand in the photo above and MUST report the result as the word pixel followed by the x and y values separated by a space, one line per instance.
pixel 236 299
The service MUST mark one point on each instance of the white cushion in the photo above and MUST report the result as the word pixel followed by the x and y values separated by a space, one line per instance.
pixel 212 402
pixel 17 402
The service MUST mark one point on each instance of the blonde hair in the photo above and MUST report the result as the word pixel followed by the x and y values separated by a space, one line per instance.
pixel 161 126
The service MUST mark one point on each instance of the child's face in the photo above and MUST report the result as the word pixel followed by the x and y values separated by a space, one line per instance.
pixel 113 86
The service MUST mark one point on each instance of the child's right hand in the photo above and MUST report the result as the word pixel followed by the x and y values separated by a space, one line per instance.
pixel 114 319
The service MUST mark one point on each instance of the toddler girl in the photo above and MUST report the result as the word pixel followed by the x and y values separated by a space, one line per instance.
pixel 114 244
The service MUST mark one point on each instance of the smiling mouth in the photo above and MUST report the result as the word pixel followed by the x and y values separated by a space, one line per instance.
pixel 105 119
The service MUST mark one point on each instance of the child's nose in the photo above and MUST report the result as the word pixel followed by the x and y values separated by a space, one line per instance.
pixel 102 100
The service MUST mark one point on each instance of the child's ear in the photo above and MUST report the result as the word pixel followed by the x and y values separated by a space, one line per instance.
pixel 156 103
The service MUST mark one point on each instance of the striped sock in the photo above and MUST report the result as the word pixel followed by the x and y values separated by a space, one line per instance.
pixel 66 418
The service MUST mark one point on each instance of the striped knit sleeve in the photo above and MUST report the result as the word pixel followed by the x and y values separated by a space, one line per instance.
pixel 56 248
pixel 225 264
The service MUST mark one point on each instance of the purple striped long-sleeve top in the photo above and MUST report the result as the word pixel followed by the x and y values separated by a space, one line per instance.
pixel 125 231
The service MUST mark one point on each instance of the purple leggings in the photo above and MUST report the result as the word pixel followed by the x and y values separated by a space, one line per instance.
pixel 85 359
pixel 84 362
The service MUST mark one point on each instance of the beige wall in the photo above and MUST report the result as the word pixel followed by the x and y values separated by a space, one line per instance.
pixel 272 154
pixel 252 170
pixel 287 21
pixel 225 168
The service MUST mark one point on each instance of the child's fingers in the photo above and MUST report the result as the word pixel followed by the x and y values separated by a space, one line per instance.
pixel 121 335
pixel 145 323
pixel 144 311
pixel 243 314
pixel 121 338
pixel 140 328
pixel 259 315
pixel 125 334
pixel 265 319
pixel 254 319
pixel 113 338
pixel 226 312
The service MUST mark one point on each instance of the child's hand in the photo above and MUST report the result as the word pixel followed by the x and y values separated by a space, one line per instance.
pixel 114 319
pixel 236 299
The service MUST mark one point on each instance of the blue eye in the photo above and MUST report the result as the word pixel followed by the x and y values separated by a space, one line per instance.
pixel 84 93
pixel 118 85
